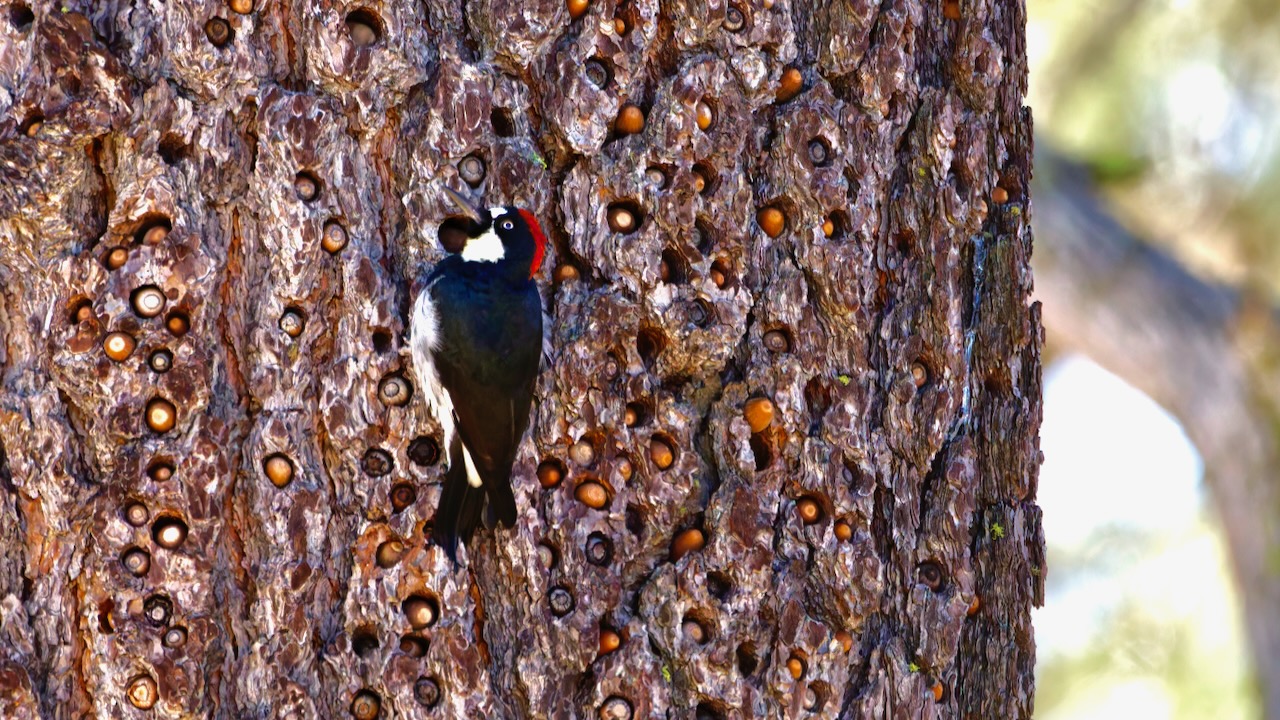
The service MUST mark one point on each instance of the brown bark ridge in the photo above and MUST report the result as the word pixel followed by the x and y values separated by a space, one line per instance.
pixel 218 481
pixel 1204 350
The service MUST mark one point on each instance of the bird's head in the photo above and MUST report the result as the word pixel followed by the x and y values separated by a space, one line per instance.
pixel 507 236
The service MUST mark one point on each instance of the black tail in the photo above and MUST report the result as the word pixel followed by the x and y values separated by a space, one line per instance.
pixel 458 512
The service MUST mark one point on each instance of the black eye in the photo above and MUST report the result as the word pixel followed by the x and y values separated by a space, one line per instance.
pixel 506 225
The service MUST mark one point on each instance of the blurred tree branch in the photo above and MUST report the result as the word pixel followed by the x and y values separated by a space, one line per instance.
pixel 1208 352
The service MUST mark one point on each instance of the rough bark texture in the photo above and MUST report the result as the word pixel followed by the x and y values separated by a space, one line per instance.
pixel 1206 351
pixel 873 549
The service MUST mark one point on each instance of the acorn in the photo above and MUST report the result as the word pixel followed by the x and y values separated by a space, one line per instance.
pixel 630 417
pixel 334 237
pixel 693 631
pixel 704 115
pixel 174 637
pixel 362 33
pixel 930 575
pixel 939 690
pixel 137 561
pixel 718 278
pixel 759 413
pixel 691 540
pixel 777 341
pixel 427 692
pixel 772 221
pixel 116 257
pixel 157 609
pixel 582 453
pixel 623 464
pixel 143 692
pixel 592 494
pixel 471 169
pixel 1000 195
pixel 393 390
pixel 700 182
pixel 243 7
pixel 279 470
pixel 414 646
pixel 118 346
pixel 136 514
pixel 845 640
pixel 597 74
pixel 796 666
pixel 402 496
pixel 147 301
pixel 620 26
pixel 424 451
pixel 577 8
pixel 160 361
pixel 169 532
pixel 609 641
pixel 421 612
pixel 656 176
pixel 819 152
pixel 560 600
pixel 951 9
pixel 566 272
pixel 366 705
pixel 828 227
pixel 622 220
pixel 161 415
pixel 178 324
pixel 155 234
pixel 599 549
pixel 218 31
pixel 919 374
pixel 615 708
pixel 630 120
pixel 376 462
pixel 291 322
pixel 809 510
pixel 306 186
pixel 546 555
pixel 389 553
pixel 789 85
pixel 844 531
pixel 661 453
pixel 733 19
pixel 974 607
pixel 160 471
pixel 83 312
pixel 549 474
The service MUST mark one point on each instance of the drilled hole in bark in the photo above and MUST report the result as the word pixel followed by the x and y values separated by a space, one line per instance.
pixel 79 309
pixel 415 646
pixel 169 532
pixel 722 273
pixel 504 124
pixel 178 323
pixel 650 343
pixel 736 18
pixel 762 451
pixel 157 609
pixel 174 637
pixel 598 72
pixel 710 710
pixel 365 27
pixel 422 611
pixel 931 575
pixel 551 472
pixel 697 626
pixel 153 229
pixel 307 186
pixel 704 235
pixel 700 313
pixel 377 462
pixel 615 708
pixel 160 470
pixel 172 149
pixel 427 692
pixel 21 17
pixel 719 585
pixel 389 553
pixel 381 340
pixel 816 696
pixel 424 451
pixel 548 555
pixel 366 705
pixel 452 235
pixel 31 125
pixel 105 609
pixel 705 178
pixel 599 549
pixel 663 450
pixel 638 413
pixel 819 152
pixel 658 176
pixel 673 269
pixel 612 365
pixel 136 561
pixel 836 225
pixel 635 520
pixel 364 641
pixel 292 321
pixel 817 398
pixel 747 659
pixel 561 601
pixel 624 216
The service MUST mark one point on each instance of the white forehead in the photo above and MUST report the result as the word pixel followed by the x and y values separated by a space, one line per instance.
pixel 494 212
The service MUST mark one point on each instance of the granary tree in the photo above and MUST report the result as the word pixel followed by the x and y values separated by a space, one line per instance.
pixel 782 459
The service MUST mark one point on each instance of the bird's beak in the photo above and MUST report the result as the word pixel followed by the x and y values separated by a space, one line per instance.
pixel 466 207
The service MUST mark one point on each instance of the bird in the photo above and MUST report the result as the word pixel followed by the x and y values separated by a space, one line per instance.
pixel 476 340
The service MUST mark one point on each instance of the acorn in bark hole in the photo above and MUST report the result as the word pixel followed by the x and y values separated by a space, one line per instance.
pixel 796 666
pixel 427 692
pixel 118 346
pixel 169 532
pixel 402 496
pixel 705 115
pixel 790 84
pixel 160 471
pixel 161 415
pixel 334 237
pixel 1000 195
pixel 661 453
pixel 930 575
pixel 615 708
pixel 759 413
pixel 394 390
pixel 566 272
pixel 919 374
pixel 471 168
pixel 175 637
pixel 218 31
pixel 609 641
pixel 561 601
pixel 772 221
pixel 845 640
pixel 116 258
pixel 306 186
pixel 136 514
pixel 549 474
pixel 147 301
pixel 630 120
pixel 389 553
pixel 376 462
pixel 279 470
pixel 777 341
pixel 691 540
pixel 809 510
pixel 178 323
pixel 844 531
pixel 424 451
pixel 622 219
pixel 599 549
pixel 291 322
pixel 363 33
pixel 421 612
pixel 577 8
pixel 582 453
pixel 366 705
pixel 155 235
pixel 137 561
pixel 143 692
pixel 242 7
pixel 592 494
pixel 160 361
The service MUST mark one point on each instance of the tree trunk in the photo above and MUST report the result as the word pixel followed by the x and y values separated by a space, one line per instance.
pixel 218 480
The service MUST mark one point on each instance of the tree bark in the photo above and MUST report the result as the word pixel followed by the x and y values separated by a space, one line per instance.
pixel 219 484
pixel 1205 351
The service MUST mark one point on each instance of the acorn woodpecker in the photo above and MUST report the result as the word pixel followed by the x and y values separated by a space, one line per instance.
pixel 476 342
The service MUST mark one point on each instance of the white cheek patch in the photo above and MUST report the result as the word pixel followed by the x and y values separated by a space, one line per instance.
pixel 488 247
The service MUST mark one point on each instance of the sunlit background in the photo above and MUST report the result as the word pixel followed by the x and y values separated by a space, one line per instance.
pixel 1172 104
